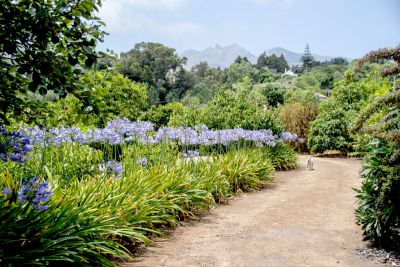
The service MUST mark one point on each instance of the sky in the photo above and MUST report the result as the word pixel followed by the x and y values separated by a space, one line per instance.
pixel 346 28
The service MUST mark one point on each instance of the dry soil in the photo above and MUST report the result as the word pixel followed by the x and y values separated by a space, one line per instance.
pixel 306 218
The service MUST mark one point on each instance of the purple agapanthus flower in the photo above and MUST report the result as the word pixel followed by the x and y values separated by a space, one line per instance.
pixel 123 131
pixel 6 191
pixel 14 146
pixel 112 167
pixel 141 161
pixel 38 193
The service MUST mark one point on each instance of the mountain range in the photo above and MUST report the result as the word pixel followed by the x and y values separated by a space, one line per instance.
pixel 219 56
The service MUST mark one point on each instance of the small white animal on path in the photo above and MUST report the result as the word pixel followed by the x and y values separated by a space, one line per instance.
pixel 310 163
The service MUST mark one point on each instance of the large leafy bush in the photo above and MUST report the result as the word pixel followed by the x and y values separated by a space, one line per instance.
pixel 160 115
pixel 115 96
pixel 379 196
pixel 378 209
pixel 330 130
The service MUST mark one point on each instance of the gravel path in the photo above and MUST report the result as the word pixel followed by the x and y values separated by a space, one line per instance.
pixel 305 219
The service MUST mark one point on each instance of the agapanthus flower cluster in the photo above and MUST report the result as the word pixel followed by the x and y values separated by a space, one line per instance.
pixel 191 154
pixel 291 137
pixel 201 135
pixel 13 146
pixel 286 136
pixel 116 132
pixel 122 131
pixel 111 167
pixel 33 191
pixel 142 161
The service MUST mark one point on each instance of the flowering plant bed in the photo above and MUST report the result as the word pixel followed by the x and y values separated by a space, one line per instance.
pixel 75 198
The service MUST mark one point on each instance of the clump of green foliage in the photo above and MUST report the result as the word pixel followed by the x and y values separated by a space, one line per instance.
pixel 45 46
pixel 378 210
pixel 115 96
pixel 241 106
pixel 329 131
pixel 160 115
pixel 331 128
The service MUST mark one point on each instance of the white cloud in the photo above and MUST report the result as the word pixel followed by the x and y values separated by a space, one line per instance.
pixel 123 16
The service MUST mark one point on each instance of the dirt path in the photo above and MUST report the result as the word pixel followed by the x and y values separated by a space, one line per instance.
pixel 305 219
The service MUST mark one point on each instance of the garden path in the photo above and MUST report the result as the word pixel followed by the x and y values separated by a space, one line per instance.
pixel 306 218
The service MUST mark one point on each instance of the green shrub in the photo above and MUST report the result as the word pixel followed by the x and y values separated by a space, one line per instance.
pixel 115 96
pixel 160 115
pixel 275 96
pixel 213 180
pixel 282 157
pixel 378 208
pixel 241 107
pixel 246 170
pixel 330 131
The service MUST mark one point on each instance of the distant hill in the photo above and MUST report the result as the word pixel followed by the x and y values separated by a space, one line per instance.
pixel 219 56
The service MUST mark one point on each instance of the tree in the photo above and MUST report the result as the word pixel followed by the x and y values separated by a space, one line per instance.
pixel 180 82
pixel 274 95
pixel 45 46
pixel 338 61
pixel 241 106
pixel 237 71
pixel 240 59
pixel 273 62
pixel 200 70
pixel 160 115
pixel 149 63
pixel 115 96
pixel 207 80
pixel 307 58
pixel 283 65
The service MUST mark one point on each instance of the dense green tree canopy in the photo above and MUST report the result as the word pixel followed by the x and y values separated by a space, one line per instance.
pixel 179 83
pixel 331 129
pixel 237 71
pixel 149 63
pixel 207 81
pixel 160 115
pixel 273 62
pixel 274 95
pixel 44 46
pixel 115 96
